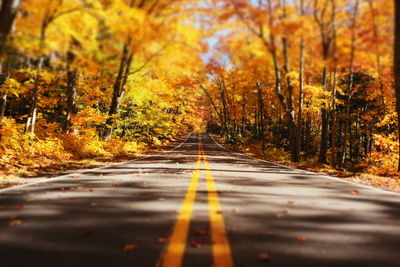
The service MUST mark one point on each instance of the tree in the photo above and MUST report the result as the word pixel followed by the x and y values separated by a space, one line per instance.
pixel 8 13
pixel 397 66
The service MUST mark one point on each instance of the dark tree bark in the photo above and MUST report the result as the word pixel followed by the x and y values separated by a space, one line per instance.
pixel 8 13
pixel 72 76
pixel 350 86
pixel 325 27
pixel 397 66
pixel 119 89
pixel 262 117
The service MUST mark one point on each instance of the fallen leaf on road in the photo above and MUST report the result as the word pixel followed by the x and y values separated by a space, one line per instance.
pixel 264 256
pixel 88 232
pixel 196 244
pixel 268 233
pixel 291 202
pixel 19 207
pixel 201 232
pixel 130 247
pixel 302 239
pixel 161 240
pixel 355 192
pixel 15 222
pixel 219 212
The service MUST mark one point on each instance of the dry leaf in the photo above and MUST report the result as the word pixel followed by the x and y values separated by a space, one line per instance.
pixel 15 222
pixel 302 239
pixel 268 233
pixel 201 232
pixel 196 244
pixel 161 240
pixel 264 256
pixel 130 247
pixel 355 192
pixel 88 232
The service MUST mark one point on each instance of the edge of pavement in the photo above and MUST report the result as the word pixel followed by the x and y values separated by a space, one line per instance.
pixel 82 171
pixel 307 172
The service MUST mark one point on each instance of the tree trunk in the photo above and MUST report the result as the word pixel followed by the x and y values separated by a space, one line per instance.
pixel 262 122
pixel 377 53
pixel 301 89
pixel 397 67
pixel 31 121
pixel 119 89
pixel 3 107
pixel 287 105
pixel 72 76
pixel 8 13
pixel 324 135
pixel 351 83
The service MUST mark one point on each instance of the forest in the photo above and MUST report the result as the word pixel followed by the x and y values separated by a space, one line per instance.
pixel 307 82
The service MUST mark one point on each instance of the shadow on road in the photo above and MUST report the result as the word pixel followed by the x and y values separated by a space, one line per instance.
pixel 299 219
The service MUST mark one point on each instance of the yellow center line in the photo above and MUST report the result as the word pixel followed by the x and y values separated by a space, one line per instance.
pixel 173 255
pixel 222 256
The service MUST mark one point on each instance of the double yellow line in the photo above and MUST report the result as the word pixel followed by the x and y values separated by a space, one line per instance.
pixel 173 255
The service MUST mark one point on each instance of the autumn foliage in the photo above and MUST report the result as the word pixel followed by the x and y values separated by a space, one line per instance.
pixel 308 81
pixel 83 79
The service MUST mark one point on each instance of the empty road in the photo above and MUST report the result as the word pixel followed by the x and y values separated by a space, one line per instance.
pixel 198 205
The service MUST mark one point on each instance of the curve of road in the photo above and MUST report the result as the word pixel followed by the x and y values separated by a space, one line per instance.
pixel 198 205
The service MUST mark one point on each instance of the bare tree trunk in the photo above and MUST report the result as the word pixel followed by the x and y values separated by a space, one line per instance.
pixel 301 89
pixel 377 53
pixel 287 105
pixel 8 13
pixel 351 85
pixel 262 122
pixel 72 76
pixel 334 88
pixel 326 40
pixel 119 89
pixel 31 121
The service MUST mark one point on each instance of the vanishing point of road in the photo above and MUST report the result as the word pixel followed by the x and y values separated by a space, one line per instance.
pixel 198 205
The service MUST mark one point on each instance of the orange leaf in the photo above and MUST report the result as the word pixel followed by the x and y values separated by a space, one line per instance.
pixel 201 232
pixel 15 222
pixel 130 247
pixel 264 256
pixel 355 192
pixel 302 239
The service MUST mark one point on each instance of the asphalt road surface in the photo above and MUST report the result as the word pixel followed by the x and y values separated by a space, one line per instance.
pixel 198 205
